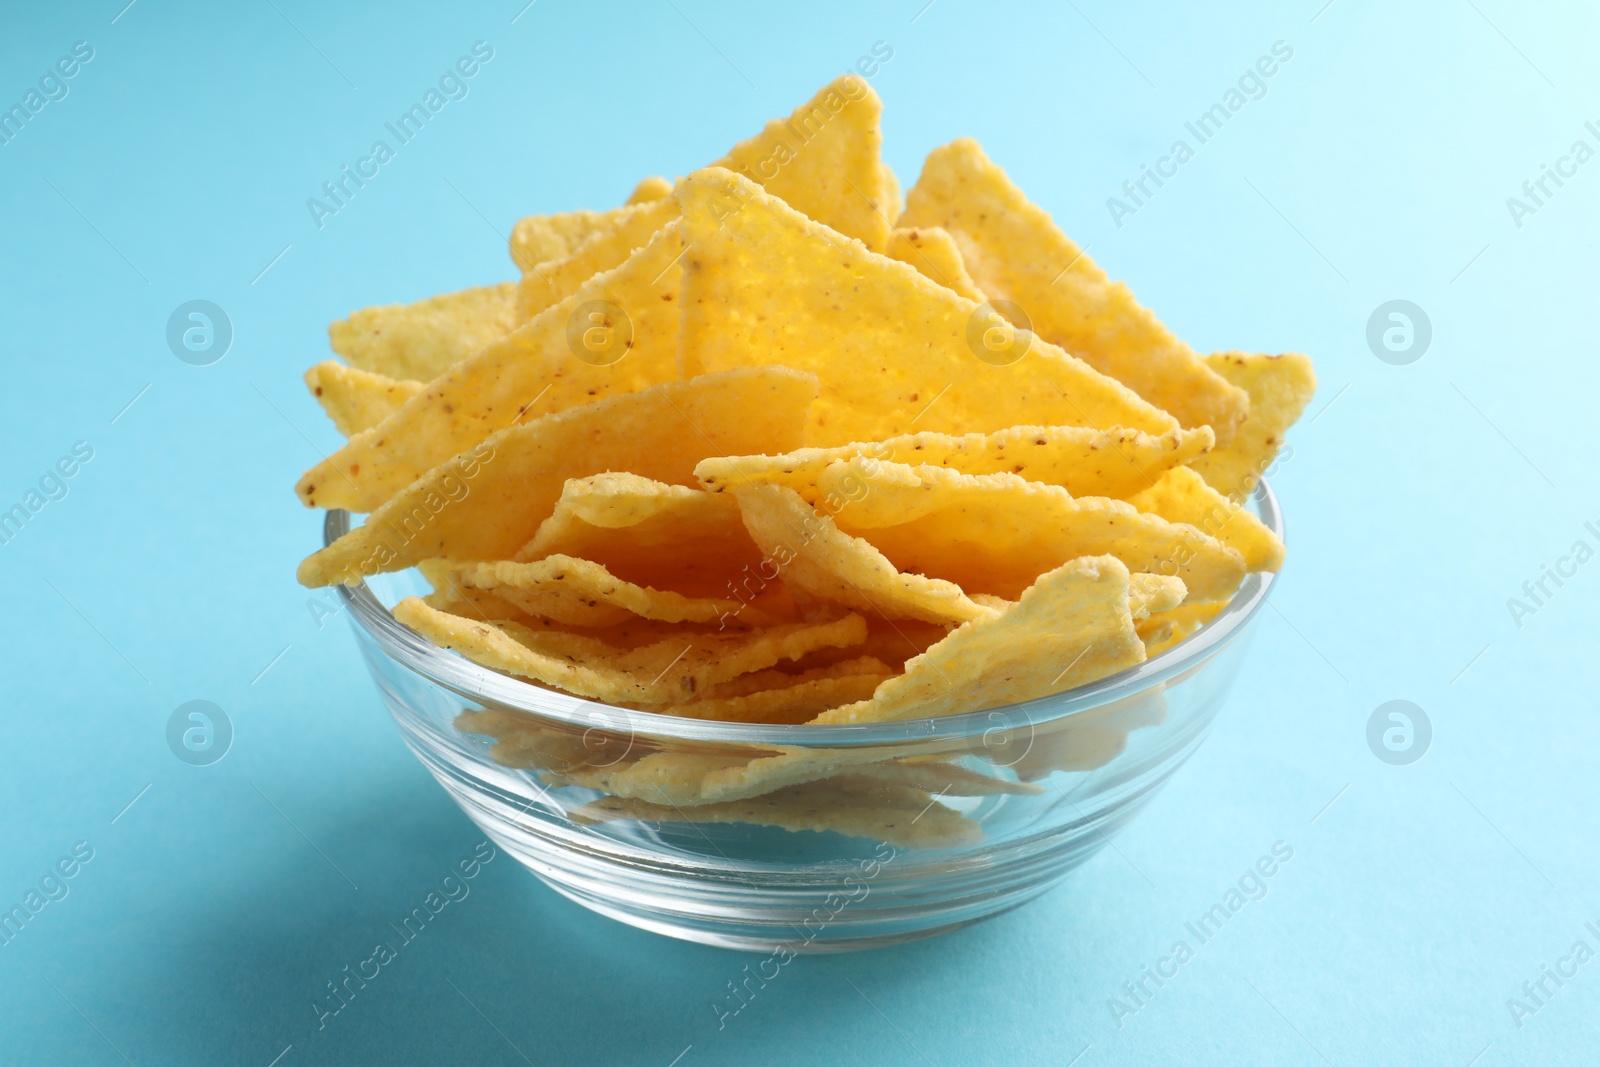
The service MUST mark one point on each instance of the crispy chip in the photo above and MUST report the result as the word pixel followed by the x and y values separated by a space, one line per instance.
pixel 1151 593
pixel 664 671
pixel 934 253
pixel 811 553
pixel 823 160
pixel 1183 496
pixel 795 703
pixel 1071 627
pixel 856 807
pixel 892 194
pixel 1015 252
pixel 547 284
pixel 649 532
pixel 486 503
pixel 545 366
pixel 780 678
pixel 995 533
pixel 583 593
pixel 1280 387
pixel 542 238
pixel 1163 629
pixel 1086 462
pixel 419 342
pixel 891 347
pixel 356 399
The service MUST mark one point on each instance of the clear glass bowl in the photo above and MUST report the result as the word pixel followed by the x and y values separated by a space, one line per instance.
pixel 933 825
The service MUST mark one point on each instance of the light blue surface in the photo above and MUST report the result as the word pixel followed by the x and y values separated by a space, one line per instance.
pixel 1419 498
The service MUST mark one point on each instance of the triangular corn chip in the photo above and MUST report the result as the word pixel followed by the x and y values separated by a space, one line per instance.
pixel 547 365
pixel 666 671
pixel 934 253
pixel 541 238
pixel 1015 252
pixel 1085 461
pixel 547 284
pixel 856 806
pixel 652 533
pixel 823 161
pixel 895 351
pixel 582 593
pixel 1070 628
pixel 1183 496
pixel 995 533
pixel 791 704
pixel 1280 387
pixel 487 502
pixel 810 553
pixel 355 399
pixel 419 342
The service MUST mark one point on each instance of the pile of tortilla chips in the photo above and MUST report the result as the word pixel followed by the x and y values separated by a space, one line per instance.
pixel 765 446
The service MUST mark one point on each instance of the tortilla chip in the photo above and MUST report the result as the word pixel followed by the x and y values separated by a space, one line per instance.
pixel 662 672
pixel 995 533
pixel 934 253
pixel 1084 461
pixel 796 703
pixel 781 678
pixel 582 593
pixel 1183 496
pixel 419 342
pixel 1015 252
pixel 543 238
pixel 823 160
pixel 549 283
pixel 1163 629
pixel 535 370
pixel 1280 387
pixel 355 399
pixel 856 807
pixel 891 348
pixel 893 197
pixel 649 532
pixel 487 502
pixel 809 552
pixel 1069 628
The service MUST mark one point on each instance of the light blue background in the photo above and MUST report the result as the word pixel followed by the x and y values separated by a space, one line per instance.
pixel 1419 499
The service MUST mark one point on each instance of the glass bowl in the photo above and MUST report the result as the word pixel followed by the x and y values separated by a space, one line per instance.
pixel 921 827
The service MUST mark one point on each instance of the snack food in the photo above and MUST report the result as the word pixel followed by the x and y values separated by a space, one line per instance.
pixel 758 447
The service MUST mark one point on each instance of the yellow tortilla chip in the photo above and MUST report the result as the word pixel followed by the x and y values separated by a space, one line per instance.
pixel 1015 252
pixel 1086 462
pixel 781 678
pixel 665 671
pixel 796 703
pixel 419 342
pixel 542 238
pixel 548 365
pixel 895 352
pixel 547 284
pixel 811 553
pixel 1280 387
pixel 995 533
pixel 823 160
pixel 892 194
pixel 487 502
pixel 356 399
pixel 934 253
pixel 1071 627
pixel 582 593
pixel 856 807
pixel 649 532
pixel 1183 496
pixel 1163 629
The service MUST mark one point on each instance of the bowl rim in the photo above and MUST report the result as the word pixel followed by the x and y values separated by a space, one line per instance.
pixel 484 686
